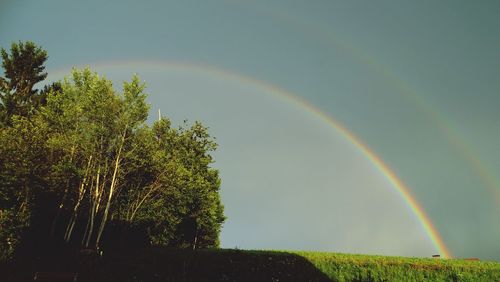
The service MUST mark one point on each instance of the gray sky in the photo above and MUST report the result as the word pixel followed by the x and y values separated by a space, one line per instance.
pixel 416 81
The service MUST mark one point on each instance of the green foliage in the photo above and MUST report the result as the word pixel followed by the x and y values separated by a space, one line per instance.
pixel 345 267
pixel 155 177
pixel 13 222
pixel 23 68
pixel 22 159
pixel 172 166
pixel 22 171
pixel 82 157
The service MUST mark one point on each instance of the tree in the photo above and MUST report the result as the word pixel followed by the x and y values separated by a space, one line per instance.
pixel 177 194
pixel 23 172
pixel 21 163
pixel 23 68
pixel 92 127
pixel 157 178
pixel 79 164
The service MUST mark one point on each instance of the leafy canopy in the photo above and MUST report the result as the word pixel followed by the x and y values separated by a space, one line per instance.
pixel 80 165
pixel 23 68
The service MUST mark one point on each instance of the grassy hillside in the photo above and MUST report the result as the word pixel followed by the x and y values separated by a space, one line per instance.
pixel 344 267
pixel 157 264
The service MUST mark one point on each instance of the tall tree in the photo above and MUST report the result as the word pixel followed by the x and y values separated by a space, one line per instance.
pixel 23 172
pixel 21 141
pixel 23 68
pixel 83 159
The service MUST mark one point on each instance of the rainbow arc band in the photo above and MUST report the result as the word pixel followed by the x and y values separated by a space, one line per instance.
pixel 398 186
pixel 324 35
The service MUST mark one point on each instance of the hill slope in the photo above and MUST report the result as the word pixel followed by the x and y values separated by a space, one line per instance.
pixel 160 264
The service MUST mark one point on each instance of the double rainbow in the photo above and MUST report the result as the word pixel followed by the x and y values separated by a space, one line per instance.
pixel 398 186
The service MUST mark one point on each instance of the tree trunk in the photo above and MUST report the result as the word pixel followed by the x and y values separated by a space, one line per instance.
pixel 195 239
pixel 111 190
pixel 81 194
pixel 93 208
pixel 58 213
pixel 63 200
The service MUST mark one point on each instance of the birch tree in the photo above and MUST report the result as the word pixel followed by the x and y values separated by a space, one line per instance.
pixel 90 152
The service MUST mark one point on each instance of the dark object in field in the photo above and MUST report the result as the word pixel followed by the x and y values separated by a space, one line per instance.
pixel 436 256
pixel 56 276
pixel 473 259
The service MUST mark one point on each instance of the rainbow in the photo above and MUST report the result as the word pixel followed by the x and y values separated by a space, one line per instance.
pixel 326 36
pixel 399 187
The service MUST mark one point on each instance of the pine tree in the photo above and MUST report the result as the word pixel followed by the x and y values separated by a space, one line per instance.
pixel 23 68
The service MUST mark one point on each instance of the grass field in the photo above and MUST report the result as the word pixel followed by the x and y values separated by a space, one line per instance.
pixel 160 264
pixel 343 267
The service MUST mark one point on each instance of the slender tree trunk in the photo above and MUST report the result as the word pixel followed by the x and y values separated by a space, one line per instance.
pixel 91 188
pixel 94 208
pixel 81 194
pixel 71 224
pixel 139 204
pixel 63 200
pixel 195 236
pixel 59 210
pixel 135 206
pixel 111 190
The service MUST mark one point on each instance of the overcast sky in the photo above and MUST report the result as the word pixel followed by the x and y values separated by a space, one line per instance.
pixel 417 81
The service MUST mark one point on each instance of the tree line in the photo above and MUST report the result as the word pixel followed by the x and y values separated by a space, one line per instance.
pixel 80 166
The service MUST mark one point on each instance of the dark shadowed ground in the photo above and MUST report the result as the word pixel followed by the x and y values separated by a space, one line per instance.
pixel 163 264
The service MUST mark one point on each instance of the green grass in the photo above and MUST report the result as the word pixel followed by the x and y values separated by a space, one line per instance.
pixel 162 264
pixel 345 267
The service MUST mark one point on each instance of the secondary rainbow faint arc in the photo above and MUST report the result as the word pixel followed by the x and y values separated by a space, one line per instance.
pixel 396 183
pixel 488 180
